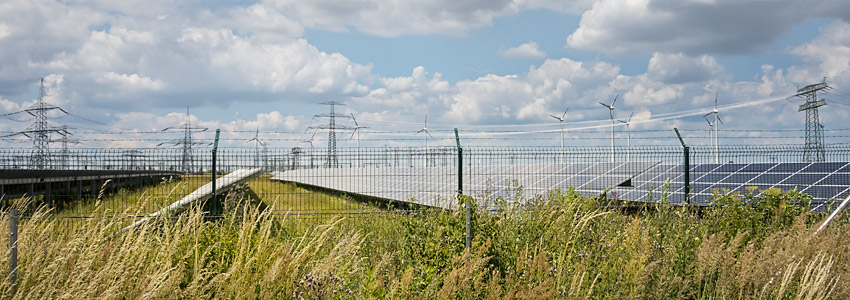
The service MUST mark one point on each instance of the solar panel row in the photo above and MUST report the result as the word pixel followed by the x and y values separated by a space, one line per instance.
pixel 437 186
pixel 632 181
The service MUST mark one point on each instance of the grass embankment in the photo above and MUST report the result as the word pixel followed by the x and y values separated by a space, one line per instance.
pixel 279 196
pixel 568 246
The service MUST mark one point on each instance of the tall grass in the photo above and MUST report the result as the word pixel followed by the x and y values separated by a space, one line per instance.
pixel 567 246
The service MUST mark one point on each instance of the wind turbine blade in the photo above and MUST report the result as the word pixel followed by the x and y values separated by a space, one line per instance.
pixel 615 100
pixel 715 101
pixel 621 121
pixel 707 121
pixel 355 120
pixel 606 105
pixel 556 117
pixel 429 134
pixel 565 113
pixel 426 121
pixel 630 116
pixel 352 134
pixel 719 119
pixel 706 115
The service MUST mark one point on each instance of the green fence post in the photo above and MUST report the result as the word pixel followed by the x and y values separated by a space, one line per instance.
pixel 214 149
pixel 460 191
pixel 686 151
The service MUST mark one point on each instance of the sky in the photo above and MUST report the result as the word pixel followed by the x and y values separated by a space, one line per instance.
pixel 495 69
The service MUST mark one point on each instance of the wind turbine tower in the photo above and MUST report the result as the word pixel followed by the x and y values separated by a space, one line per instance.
pixel 259 159
pixel 611 111
pixel 814 150
pixel 427 134
pixel 357 127
pixel 561 120
pixel 715 126
pixel 332 127
pixel 629 131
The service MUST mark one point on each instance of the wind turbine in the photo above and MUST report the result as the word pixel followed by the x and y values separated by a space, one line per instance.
pixel 715 125
pixel 561 119
pixel 611 111
pixel 356 127
pixel 629 130
pixel 312 149
pixel 427 134
pixel 256 138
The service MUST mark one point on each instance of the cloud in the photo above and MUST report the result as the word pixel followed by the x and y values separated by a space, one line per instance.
pixel 827 55
pixel 132 82
pixel 394 18
pixel 257 20
pixel 5 30
pixel 679 68
pixel 693 27
pixel 39 30
pixel 7 106
pixel 554 84
pixel 527 50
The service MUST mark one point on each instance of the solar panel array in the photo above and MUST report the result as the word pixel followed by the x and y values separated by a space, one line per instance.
pixel 826 182
pixel 437 186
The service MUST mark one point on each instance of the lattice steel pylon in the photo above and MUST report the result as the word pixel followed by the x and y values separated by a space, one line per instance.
pixel 814 150
pixel 187 160
pixel 332 127
pixel 64 154
pixel 40 130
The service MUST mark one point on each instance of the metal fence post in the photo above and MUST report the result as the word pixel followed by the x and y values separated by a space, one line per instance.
pixel 214 149
pixel 13 249
pixel 686 151
pixel 460 191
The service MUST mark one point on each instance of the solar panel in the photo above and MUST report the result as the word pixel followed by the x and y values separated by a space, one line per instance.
pixel 824 181
pixel 433 185
pixel 630 181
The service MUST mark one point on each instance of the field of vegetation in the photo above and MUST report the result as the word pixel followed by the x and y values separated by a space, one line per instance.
pixel 567 246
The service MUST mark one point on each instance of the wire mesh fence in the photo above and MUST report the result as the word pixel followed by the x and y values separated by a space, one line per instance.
pixel 309 181
pixel 375 190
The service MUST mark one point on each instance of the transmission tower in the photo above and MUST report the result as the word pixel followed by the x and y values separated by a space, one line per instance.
pixel 187 160
pixel 332 127
pixel 64 154
pixel 814 150
pixel 40 130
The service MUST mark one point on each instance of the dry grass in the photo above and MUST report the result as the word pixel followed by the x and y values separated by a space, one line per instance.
pixel 568 247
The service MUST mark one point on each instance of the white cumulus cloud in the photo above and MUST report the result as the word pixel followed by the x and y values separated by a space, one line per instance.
pixel 527 50
pixel 693 27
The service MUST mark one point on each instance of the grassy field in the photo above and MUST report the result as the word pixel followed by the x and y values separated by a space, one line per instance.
pixel 566 247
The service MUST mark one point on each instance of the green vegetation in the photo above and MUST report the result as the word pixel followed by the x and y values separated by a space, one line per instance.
pixel 567 246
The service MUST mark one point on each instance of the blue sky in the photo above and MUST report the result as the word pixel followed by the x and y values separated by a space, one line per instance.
pixel 493 65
